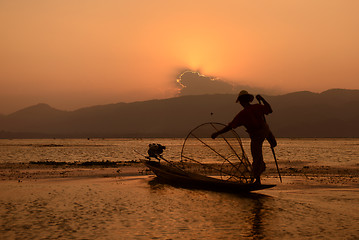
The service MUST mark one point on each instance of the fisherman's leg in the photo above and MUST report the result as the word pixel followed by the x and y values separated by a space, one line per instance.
pixel 258 163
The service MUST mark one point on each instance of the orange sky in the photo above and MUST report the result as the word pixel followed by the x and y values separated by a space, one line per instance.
pixel 72 54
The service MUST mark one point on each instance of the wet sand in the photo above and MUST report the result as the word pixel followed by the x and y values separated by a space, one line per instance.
pixel 67 202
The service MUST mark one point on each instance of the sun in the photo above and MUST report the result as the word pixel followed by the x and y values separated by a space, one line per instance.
pixel 200 53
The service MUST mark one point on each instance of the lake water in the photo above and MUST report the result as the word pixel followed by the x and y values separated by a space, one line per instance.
pixel 138 207
pixel 327 152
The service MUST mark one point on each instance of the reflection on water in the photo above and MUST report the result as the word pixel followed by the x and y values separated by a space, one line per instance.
pixel 136 208
pixel 209 214
pixel 131 209
pixel 257 223
pixel 233 214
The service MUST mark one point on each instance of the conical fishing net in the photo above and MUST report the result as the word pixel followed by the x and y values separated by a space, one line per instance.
pixel 222 158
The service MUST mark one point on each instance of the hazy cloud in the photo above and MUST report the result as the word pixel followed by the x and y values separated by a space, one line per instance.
pixel 194 83
pixel 71 56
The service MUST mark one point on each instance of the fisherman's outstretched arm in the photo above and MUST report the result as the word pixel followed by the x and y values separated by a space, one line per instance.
pixel 223 130
pixel 265 103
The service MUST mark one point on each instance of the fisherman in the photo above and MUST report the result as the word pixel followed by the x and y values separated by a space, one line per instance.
pixel 253 119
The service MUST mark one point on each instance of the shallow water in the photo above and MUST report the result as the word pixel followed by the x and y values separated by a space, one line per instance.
pixel 326 152
pixel 140 208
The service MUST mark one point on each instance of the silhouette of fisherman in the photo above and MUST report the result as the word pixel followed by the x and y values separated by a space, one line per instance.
pixel 253 119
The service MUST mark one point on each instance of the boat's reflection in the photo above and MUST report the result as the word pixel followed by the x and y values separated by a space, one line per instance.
pixel 249 205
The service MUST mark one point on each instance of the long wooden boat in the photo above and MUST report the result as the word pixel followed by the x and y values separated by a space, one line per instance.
pixel 176 176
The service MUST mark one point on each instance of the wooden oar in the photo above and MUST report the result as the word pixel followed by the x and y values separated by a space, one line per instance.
pixel 276 163
pixel 275 159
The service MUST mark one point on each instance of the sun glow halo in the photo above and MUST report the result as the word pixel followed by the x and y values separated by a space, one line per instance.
pixel 200 54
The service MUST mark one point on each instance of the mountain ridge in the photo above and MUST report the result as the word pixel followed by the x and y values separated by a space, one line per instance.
pixel 331 113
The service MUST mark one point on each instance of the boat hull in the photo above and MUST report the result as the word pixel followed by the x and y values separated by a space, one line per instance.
pixel 180 178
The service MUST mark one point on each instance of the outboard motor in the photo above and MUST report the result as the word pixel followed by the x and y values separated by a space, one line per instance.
pixel 155 150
